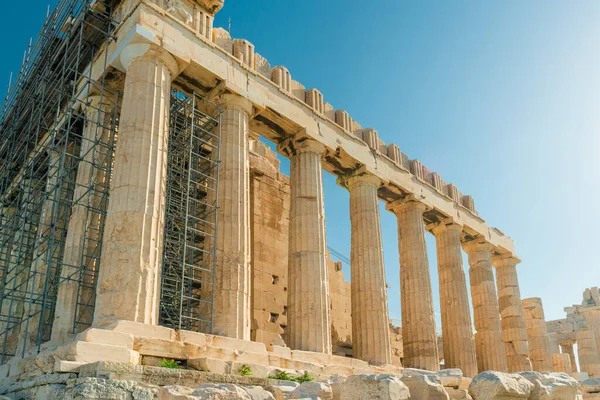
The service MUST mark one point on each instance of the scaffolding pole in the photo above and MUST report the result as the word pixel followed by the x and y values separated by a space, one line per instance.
pixel 189 256
pixel 57 136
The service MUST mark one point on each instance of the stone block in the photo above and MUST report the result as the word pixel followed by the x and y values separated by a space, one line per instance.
pixel 236 344
pixel 555 386
pixel 450 377
pixel 280 351
pixel 88 352
pixel 243 50
pixel 374 387
pixel 256 370
pixel 348 361
pixel 199 339
pixel 204 391
pixel 425 387
pixel 258 393
pixel 281 76
pixel 338 370
pixel 492 385
pixel 458 394
pixel 580 376
pixel 282 362
pixel 591 385
pixel 209 365
pixel 342 118
pixel 282 389
pixel 161 348
pixel 138 329
pixel 336 382
pixel 104 336
pixel 312 390
pixel 67 366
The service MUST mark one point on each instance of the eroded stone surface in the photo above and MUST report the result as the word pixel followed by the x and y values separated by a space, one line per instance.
pixel 555 386
pixel 500 386
pixel 312 390
pixel 375 387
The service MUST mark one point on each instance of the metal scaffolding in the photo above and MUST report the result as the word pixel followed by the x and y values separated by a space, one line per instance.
pixel 58 132
pixel 189 254
pixel 57 136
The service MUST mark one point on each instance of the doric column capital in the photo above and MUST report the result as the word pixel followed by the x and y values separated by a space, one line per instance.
pixel 566 342
pixel 406 204
pixel 147 51
pixel 300 143
pixel 478 245
pixel 505 260
pixel 358 178
pixel 444 225
pixel 233 101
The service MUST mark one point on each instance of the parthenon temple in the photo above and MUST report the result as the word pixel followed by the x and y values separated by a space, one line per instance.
pixel 145 217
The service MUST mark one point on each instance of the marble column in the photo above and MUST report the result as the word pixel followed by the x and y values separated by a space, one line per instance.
pixel 418 323
pixel 232 277
pixel 592 320
pixel 587 350
pixel 514 331
pixel 457 327
pixel 22 247
pixel 308 289
pixel 6 236
pixel 129 278
pixel 567 348
pixel 83 231
pixel 537 332
pixel 49 232
pixel 562 363
pixel 370 322
pixel 491 354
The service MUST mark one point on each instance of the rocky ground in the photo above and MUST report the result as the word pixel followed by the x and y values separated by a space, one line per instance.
pixel 114 381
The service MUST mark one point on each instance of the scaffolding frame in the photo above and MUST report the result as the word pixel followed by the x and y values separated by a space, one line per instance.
pixel 56 154
pixel 189 254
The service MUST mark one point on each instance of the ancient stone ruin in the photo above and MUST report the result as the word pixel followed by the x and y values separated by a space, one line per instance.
pixel 150 246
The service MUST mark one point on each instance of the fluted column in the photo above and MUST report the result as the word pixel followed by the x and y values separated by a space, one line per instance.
pixel 457 327
pixel 514 331
pixel 592 320
pixel 83 232
pixel 567 348
pixel 129 279
pixel 232 277
pixel 418 323
pixel 587 350
pixel 6 236
pixel 537 332
pixel 370 322
pixel 562 363
pixel 22 247
pixel 308 289
pixel 491 355
pixel 48 230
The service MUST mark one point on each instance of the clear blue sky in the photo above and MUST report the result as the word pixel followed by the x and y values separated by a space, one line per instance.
pixel 500 98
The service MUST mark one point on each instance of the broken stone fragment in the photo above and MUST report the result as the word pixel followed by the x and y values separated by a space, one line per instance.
pixel 491 385
pixel 374 387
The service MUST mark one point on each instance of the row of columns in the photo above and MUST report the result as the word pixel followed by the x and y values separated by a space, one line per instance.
pixel 128 286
